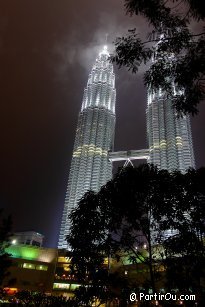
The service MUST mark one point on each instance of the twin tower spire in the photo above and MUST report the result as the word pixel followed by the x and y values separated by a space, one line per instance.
pixel 169 138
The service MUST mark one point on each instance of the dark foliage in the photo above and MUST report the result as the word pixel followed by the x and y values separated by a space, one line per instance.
pixel 37 299
pixel 176 52
pixel 139 207
pixel 5 232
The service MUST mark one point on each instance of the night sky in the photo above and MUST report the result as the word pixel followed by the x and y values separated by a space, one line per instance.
pixel 47 49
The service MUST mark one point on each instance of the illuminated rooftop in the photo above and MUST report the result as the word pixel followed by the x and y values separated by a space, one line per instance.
pixel 29 252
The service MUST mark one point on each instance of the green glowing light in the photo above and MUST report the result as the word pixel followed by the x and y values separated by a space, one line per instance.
pixel 24 252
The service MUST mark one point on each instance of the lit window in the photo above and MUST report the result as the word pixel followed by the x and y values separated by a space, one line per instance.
pixel 42 267
pixel 29 266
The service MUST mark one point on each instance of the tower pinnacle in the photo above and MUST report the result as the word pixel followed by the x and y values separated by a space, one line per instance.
pixel 105 50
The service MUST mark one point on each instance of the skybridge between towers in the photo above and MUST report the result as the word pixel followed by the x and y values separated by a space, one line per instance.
pixel 129 155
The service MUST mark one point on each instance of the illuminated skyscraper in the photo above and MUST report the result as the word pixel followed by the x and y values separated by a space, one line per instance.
pixel 169 136
pixel 90 167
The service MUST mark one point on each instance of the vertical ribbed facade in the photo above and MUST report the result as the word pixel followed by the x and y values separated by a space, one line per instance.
pixel 90 167
pixel 169 136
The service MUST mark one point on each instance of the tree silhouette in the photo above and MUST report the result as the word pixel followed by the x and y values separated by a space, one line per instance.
pixel 185 252
pixel 146 218
pixel 5 232
pixel 180 51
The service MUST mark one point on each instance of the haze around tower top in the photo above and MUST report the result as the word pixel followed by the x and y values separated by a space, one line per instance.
pixel 105 50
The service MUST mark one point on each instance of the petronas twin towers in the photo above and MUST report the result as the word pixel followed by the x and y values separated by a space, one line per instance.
pixel 169 138
pixel 90 166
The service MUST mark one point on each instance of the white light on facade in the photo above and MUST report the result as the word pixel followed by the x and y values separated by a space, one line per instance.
pixel 90 167
pixel 169 136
